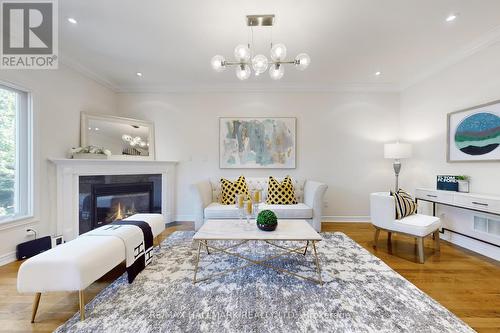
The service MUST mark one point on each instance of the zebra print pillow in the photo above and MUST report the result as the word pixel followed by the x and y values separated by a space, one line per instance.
pixel 405 205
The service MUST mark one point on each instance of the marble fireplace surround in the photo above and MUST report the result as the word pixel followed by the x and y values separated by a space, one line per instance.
pixel 68 172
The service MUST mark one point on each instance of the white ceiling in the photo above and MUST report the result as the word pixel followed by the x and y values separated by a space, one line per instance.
pixel 172 42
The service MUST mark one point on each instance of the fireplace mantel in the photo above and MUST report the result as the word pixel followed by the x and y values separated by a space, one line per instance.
pixel 68 172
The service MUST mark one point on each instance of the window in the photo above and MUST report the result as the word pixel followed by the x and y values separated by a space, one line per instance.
pixel 15 154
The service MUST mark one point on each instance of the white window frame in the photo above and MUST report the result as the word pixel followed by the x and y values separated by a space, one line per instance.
pixel 23 199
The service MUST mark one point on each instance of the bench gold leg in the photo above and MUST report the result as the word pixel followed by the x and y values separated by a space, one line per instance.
pixel 157 241
pixel 35 306
pixel 82 304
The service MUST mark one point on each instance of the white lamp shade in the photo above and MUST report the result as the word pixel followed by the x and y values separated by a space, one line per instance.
pixel 397 151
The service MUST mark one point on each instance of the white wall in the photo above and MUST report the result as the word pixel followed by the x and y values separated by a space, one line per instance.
pixel 424 109
pixel 340 139
pixel 58 98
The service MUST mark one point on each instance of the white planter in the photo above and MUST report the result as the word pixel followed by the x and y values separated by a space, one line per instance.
pixel 88 156
pixel 463 186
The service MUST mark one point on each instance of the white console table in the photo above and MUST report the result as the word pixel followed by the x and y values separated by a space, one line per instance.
pixel 475 202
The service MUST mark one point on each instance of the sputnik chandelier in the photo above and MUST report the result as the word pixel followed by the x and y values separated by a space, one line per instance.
pixel 134 141
pixel 245 59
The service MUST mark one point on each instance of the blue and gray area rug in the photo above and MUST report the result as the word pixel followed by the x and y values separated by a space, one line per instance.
pixel 360 294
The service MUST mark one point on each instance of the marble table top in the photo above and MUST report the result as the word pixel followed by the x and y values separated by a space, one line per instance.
pixel 290 230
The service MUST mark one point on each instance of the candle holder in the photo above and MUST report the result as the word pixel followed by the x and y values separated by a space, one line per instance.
pixel 248 209
pixel 239 203
pixel 257 200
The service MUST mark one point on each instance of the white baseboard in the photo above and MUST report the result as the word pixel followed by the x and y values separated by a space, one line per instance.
pixel 184 218
pixel 7 258
pixel 352 219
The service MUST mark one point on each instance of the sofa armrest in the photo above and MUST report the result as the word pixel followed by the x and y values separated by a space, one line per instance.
pixel 202 198
pixel 313 197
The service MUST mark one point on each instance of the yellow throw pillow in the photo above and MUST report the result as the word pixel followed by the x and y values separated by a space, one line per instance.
pixel 281 194
pixel 230 189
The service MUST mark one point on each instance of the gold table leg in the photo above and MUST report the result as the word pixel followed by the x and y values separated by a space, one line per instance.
pixel 305 251
pixel 197 262
pixel 261 262
pixel 35 306
pixel 206 247
pixel 298 250
pixel 317 262
pixel 82 304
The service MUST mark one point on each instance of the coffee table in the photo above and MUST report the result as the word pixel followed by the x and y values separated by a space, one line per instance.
pixel 243 232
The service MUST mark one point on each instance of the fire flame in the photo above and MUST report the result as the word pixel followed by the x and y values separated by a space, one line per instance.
pixel 121 212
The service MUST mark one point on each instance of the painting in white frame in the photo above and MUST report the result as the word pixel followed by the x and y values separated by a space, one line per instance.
pixel 474 134
pixel 267 143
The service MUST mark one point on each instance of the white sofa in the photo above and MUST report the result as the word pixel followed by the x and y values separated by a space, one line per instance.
pixel 309 195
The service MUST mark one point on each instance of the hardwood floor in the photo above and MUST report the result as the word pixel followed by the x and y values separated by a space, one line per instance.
pixel 466 283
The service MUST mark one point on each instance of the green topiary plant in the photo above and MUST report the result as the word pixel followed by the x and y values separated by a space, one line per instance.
pixel 267 220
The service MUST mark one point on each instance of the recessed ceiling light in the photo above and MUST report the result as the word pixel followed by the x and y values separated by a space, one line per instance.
pixel 72 20
pixel 139 74
pixel 451 17
pixel 378 73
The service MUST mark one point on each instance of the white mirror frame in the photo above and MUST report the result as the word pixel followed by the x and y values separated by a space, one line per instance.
pixel 85 117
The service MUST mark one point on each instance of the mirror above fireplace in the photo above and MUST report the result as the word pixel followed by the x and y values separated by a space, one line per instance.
pixel 126 138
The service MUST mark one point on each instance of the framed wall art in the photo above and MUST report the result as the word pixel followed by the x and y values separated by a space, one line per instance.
pixel 257 143
pixel 474 134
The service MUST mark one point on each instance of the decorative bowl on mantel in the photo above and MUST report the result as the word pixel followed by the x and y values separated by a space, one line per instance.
pixel 89 153
pixel 267 220
pixel 89 156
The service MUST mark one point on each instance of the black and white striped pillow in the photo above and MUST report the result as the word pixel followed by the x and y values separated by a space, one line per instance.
pixel 405 205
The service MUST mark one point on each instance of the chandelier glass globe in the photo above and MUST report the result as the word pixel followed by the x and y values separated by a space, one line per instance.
pixel 218 63
pixel 259 64
pixel 302 61
pixel 276 71
pixel 278 52
pixel 243 72
pixel 242 53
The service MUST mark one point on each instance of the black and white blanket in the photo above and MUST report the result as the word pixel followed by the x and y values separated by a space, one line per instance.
pixel 138 240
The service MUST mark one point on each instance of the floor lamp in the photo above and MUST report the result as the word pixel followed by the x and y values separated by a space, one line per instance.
pixel 397 151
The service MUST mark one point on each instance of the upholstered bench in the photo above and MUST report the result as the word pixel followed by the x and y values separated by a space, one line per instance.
pixel 75 265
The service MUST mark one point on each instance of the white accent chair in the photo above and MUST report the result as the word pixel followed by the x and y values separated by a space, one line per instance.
pixel 383 217
pixel 309 195
pixel 75 265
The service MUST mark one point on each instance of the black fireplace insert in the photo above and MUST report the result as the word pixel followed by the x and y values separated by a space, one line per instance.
pixel 104 199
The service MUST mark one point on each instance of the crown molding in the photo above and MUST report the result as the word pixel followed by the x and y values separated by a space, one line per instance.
pixel 482 43
pixel 85 71
pixel 263 88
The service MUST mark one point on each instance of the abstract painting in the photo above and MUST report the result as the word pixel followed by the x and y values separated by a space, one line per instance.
pixel 474 134
pixel 257 143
